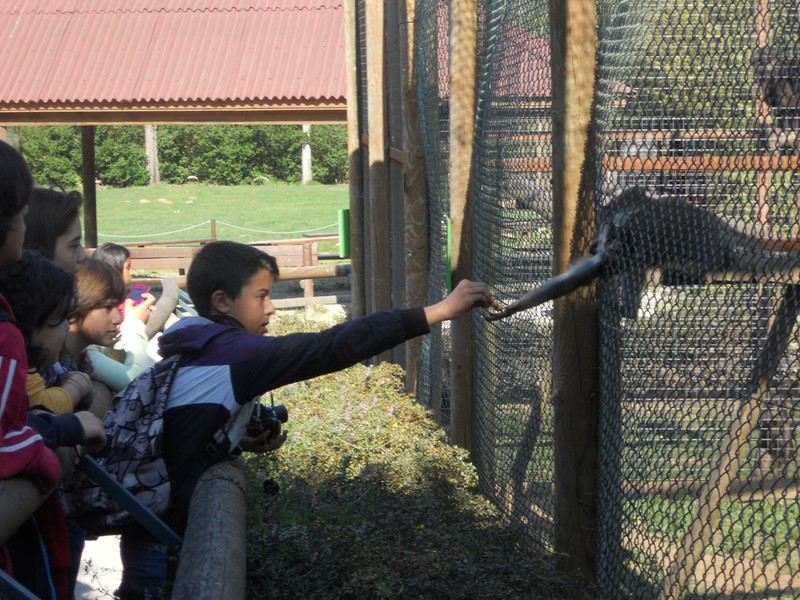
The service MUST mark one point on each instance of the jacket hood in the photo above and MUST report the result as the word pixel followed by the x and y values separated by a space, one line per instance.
pixel 189 335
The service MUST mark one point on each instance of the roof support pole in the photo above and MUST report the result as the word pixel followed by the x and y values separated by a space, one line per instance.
pixel 89 177
pixel 378 210
pixel 575 345
pixel 415 186
pixel 357 305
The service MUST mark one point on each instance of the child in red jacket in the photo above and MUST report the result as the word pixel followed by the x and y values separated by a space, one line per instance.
pixel 22 451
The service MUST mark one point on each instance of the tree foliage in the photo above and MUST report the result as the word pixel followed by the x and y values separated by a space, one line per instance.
pixel 329 153
pixel 215 154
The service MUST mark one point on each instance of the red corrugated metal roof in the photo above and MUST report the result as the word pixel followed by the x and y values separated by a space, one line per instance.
pixel 149 53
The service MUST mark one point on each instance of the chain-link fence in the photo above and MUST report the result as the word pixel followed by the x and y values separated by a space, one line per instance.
pixel 431 56
pixel 696 117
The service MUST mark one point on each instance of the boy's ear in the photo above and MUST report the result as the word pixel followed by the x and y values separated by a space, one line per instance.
pixel 220 302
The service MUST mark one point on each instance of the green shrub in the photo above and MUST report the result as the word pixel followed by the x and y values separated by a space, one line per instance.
pixel 120 157
pixel 53 153
pixel 230 154
pixel 374 503
pixel 280 151
pixel 215 154
pixel 329 163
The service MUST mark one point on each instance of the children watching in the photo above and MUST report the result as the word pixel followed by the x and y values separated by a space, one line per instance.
pixel 228 363
pixel 22 451
pixel 120 258
pixel 42 296
pixel 32 554
pixel 54 227
pixel 96 321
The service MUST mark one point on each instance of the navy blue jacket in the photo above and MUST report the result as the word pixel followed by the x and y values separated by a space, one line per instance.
pixel 223 369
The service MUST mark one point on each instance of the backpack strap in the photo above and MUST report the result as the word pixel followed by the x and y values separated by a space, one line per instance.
pixel 141 513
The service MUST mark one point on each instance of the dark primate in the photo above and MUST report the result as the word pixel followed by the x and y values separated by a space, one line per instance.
pixel 638 232
pixel 777 77
pixel 775 442
pixel 778 80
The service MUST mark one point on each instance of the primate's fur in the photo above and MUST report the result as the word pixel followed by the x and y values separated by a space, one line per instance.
pixel 778 80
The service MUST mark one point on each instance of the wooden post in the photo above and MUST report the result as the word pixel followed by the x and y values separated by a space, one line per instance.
pixel 463 50
pixel 416 189
pixel 214 554
pixel 575 371
pixel 357 306
pixel 89 177
pixel 377 225
pixel 396 162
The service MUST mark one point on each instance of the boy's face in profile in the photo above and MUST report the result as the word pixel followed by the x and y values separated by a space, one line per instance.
pixel 11 251
pixel 253 307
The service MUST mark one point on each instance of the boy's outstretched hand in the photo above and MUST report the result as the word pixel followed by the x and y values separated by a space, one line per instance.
pixel 466 296
pixel 263 443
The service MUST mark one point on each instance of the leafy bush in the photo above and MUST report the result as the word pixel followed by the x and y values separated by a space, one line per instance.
pixel 329 163
pixel 53 153
pixel 215 154
pixel 120 157
pixel 280 151
pixel 230 154
pixel 374 503
pixel 177 149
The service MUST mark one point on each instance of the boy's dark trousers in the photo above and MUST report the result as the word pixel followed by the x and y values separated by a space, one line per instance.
pixel 147 570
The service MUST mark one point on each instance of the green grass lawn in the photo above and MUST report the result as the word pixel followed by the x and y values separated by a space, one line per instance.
pixel 243 213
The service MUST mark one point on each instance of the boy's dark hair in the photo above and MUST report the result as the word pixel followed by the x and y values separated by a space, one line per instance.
pixel 38 291
pixel 226 266
pixel 113 254
pixel 51 212
pixel 16 184
pixel 99 285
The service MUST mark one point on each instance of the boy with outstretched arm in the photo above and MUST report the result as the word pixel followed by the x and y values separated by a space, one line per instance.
pixel 227 362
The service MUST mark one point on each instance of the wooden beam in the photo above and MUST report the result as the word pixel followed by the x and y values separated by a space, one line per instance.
pixel 416 189
pixel 214 554
pixel 377 220
pixel 751 162
pixel 575 346
pixel 89 178
pixel 201 115
pixel 355 160
pixel 463 52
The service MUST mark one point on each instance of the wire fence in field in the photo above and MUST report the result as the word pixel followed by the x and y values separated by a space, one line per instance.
pixel 696 118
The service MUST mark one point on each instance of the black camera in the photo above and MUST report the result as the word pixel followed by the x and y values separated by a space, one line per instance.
pixel 267 418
